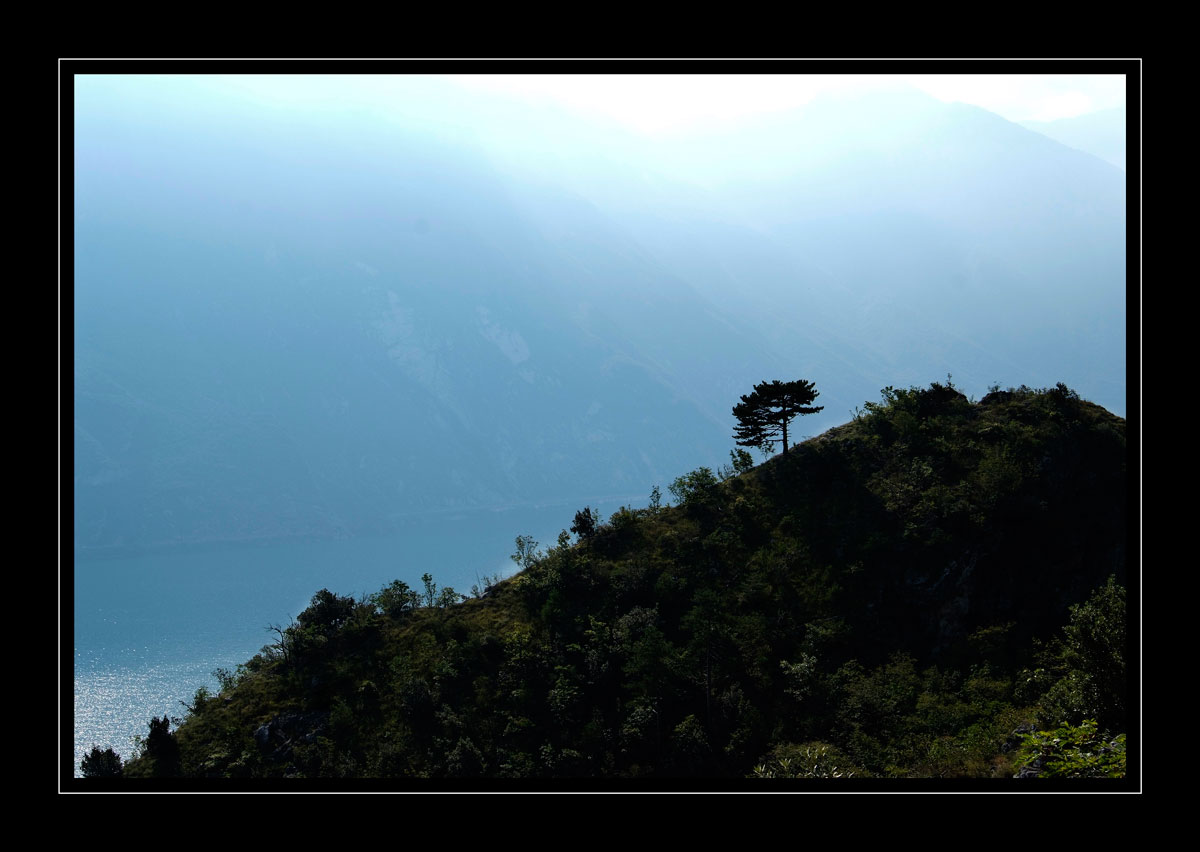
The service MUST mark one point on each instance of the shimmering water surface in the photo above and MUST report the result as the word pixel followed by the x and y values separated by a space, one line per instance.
pixel 150 630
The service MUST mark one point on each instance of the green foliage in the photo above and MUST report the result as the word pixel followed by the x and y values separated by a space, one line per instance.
pixel 101 764
pixel 623 519
pixel 200 701
pixel 875 704
pixel 326 612
pixel 527 554
pixel 690 751
pixel 1073 751
pixel 799 677
pixel 740 462
pixel 396 599
pixel 228 680
pixel 694 488
pixel 1094 646
pixel 1083 673
pixel 585 522
pixel 810 760
pixel 448 597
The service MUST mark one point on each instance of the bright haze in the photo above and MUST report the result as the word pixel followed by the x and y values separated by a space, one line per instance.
pixel 314 306
pixel 663 104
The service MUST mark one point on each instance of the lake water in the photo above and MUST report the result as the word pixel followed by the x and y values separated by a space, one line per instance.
pixel 150 630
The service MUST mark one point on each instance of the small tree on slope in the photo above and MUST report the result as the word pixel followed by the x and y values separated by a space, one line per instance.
pixel 763 415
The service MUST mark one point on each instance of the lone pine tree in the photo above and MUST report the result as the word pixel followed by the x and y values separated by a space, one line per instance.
pixel 763 415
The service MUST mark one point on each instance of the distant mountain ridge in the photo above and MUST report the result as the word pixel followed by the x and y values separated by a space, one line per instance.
pixel 1100 133
pixel 293 323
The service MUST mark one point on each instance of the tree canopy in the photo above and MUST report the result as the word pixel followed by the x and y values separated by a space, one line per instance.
pixel 763 415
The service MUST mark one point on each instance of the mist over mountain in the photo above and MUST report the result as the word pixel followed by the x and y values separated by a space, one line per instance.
pixel 311 315
pixel 1100 133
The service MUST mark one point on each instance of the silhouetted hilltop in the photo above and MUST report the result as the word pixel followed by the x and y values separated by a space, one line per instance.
pixel 904 595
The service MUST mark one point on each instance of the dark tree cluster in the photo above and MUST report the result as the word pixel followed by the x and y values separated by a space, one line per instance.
pixel 101 764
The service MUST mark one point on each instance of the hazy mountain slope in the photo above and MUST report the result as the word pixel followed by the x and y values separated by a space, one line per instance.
pixel 893 236
pixel 1101 133
pixel 307 319
pixel 299 344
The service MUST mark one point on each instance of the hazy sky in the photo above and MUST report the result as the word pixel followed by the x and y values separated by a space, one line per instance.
pixel 666 103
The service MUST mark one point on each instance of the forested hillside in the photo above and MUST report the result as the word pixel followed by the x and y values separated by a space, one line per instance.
pixel 913 594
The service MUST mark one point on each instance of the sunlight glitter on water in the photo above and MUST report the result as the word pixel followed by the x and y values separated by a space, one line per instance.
pixel 113 706
pixel 150 630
